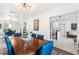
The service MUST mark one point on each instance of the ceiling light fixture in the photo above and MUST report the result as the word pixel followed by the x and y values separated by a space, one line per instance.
pixel 24 7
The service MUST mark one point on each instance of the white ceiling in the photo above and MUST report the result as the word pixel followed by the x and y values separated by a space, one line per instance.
pixel 36 8
pixel 43 7
pixel 7 9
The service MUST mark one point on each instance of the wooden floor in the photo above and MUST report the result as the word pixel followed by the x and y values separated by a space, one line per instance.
pixel 57 51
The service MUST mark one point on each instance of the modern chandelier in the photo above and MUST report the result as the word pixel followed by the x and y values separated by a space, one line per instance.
pixel 24 7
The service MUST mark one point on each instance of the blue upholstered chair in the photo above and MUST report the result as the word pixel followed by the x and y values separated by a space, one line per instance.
pixel 9 32
pixel 10 49
pixel 17 34
pixel 46 49
pixel 40 37
pixel 33 35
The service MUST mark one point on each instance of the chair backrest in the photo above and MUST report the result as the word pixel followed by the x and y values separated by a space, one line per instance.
pixel 9 33
pixel 33 35
pixel 40 36
pixel 46 49
pixel 10 49
pixel 17 34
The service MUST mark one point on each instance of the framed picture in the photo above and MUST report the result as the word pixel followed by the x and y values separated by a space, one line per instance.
pixel 74 26
pixel 24 26
pixel 36 24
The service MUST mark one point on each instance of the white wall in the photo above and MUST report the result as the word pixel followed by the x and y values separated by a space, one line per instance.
pixel 44 19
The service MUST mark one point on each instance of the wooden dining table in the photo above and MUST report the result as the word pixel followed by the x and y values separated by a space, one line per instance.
pixel 22 48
